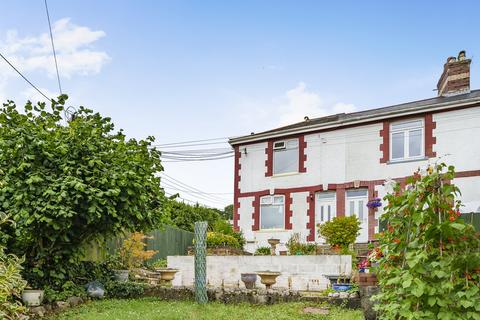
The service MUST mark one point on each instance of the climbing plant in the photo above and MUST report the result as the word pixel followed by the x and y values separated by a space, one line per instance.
pixel 430 264
pixel 67 183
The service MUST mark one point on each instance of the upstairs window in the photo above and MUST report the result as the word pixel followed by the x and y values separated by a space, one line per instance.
pixel 407 140
pixel 272 212
pixel 285 156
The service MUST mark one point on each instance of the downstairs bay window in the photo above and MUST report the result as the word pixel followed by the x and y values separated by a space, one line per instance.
pixel 272 212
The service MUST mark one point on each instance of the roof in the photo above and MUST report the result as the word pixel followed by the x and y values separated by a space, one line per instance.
pixel 346 119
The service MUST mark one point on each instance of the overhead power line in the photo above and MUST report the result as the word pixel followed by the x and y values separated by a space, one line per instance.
pixel 198 195
pixel 186 186
pixel 25 78
pixel 53 47
pixel 190 141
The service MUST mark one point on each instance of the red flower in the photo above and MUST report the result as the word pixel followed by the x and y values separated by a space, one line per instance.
pixel 397 241
pixel 452 218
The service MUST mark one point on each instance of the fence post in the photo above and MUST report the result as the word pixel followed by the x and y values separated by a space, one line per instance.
pixel 200 262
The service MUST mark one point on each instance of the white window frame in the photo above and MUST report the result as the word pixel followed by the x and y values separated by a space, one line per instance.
pixel 270 201
pixel 406 132
pixel 285 148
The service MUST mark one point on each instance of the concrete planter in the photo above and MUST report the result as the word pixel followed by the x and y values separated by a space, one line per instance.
pixel 268 278
pixel 32 298
pixel 167 275
pixel 121 275
pixel 249 280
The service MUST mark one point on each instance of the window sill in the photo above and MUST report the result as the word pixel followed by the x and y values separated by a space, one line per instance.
pixel 271 230
pixel 406 160
pixel 279 175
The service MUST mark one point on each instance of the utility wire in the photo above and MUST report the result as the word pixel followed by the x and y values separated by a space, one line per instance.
pixel 198 195
pixel 191 141
pixel 53 47
pixel 25 78
pixel 184 185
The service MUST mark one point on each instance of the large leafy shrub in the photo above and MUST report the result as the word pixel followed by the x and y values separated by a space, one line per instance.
pixel 430 263
pixel 340 232
pixel 65 184
pixel 217 239
pixel 296 247
pixel 11 282
pixel 123 290
pixel 184 216
pixel 224 227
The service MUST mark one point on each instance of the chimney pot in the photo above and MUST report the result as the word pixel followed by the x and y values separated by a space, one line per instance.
pixel 455 78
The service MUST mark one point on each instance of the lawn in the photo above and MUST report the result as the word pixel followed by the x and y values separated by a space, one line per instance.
pixel 149 309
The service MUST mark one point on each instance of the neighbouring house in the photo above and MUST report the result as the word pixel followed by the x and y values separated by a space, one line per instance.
pixel 288 180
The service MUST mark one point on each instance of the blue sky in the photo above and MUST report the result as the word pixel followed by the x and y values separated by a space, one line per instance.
pixel 187 70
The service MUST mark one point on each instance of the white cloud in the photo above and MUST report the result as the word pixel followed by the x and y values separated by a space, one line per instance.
pixel 301 102
pixel 73 46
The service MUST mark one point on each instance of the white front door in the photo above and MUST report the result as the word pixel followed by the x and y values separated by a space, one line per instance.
pixel 325 210
pixel 356 205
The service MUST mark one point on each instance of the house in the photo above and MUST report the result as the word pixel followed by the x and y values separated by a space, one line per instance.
pixel 288 180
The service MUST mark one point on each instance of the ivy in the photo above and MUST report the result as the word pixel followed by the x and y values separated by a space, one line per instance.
pixel 66 184
pixel 430 268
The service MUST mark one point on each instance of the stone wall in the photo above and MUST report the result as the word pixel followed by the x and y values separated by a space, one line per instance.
pixel 297 272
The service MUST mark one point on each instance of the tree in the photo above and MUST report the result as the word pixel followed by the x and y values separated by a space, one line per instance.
pixel 228 212
pixel 430 259
pixel 67 184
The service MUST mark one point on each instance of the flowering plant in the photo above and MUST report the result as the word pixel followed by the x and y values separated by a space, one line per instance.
pixel 374 203
pixel 364 264
pixel 375 255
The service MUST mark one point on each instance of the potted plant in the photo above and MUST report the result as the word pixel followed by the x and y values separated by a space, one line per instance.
pixel 32 297
pixel 119 267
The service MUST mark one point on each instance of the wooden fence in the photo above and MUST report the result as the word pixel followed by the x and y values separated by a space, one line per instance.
pixel 168 241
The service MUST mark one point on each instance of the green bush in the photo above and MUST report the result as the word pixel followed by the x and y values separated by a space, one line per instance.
pixel 224 227
pixel 263 251
pixel 123 290
pixel 217 239
pixel 69 289
pixel 295 247
pixel 67 184
pixel 158 264
pixel 340 232
pixel 430 259
pixel 11 282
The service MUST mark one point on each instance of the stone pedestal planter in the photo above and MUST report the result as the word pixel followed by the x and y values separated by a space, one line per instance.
pixel 273 243
pixel 121 275
pixel 268 278
pixel 32 298
pixel 167 275
pixel 249 280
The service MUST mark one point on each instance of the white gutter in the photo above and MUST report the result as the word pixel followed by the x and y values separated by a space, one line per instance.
pixel 337 124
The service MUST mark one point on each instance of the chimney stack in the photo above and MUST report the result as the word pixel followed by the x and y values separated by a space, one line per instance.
pixel 455 78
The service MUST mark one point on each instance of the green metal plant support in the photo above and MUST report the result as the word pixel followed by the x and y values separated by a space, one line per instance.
pixel 201 262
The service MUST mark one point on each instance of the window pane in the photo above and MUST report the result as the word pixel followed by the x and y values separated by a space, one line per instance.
pixel 357 193
pixel 278 200
pixel 271 217
pixel 398 145
pixel 360 210
pixel 415 143
pixel 407 125
pixel 329 212
pixel 326 195
pixel 285 161
pixel 292 144
pixel 352 208
pixel 321 213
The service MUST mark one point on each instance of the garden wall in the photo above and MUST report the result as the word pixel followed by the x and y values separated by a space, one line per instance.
pixel 297 272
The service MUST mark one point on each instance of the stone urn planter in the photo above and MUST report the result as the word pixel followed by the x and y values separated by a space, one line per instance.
pixel 167 275
pixel 121 275
pixel 268 278
pixel 249 280
pixel 32 298
pixel 273 243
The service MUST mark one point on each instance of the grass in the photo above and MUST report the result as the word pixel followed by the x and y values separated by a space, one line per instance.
pixel 152 309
